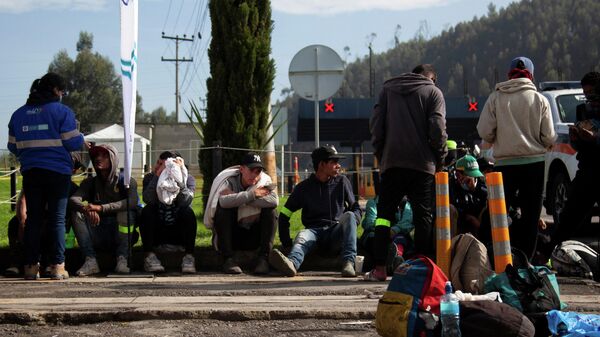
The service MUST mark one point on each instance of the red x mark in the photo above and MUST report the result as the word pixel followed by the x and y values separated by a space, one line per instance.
pixel 473 106
pixel 328 107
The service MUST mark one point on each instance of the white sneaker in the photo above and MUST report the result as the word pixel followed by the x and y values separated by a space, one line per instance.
pixel 89 268
pixel 121 267
pixel 152 264
pixel 188 264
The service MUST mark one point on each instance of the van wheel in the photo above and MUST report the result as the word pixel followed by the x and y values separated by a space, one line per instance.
pixel 559 194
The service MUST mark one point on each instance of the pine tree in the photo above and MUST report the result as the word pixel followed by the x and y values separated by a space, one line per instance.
pixel 240 82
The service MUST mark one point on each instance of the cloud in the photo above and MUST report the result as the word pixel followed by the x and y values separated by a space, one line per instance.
pixel 329 7
pixel 21 6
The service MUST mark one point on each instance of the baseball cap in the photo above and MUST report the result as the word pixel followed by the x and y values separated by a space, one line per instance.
pixel 325 153
pixel 468 165
pixel 252 160
pixel 526 62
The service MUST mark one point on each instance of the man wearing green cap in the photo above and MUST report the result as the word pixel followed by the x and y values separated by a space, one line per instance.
pixel 468 196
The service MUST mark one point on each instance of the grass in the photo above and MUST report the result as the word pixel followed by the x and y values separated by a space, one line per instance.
pixel 203 236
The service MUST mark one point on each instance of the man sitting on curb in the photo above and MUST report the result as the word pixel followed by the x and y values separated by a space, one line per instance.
pixel 101 222
pixel 330 214
pixel 241 205
pixel 173 223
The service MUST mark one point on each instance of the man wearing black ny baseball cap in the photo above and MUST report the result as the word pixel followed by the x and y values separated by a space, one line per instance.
pixel 245 216
pixel 330 214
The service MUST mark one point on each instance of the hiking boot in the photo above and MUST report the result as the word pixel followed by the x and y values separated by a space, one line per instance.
pixel 262 266
pixel 121 267
pixel 230 267
pixel 58 272
pixel 282 263
pixel 188 264
pixel 348 269
pixel 89 267
pixel 374 276
pixel 31 271
pixel 152 264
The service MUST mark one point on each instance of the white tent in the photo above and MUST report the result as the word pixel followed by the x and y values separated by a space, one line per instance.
pixel 114 135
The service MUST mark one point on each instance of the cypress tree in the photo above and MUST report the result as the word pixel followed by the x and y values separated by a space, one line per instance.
pixel 240 82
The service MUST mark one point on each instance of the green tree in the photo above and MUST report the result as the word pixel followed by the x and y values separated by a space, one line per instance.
pixel 94 87
pixel 241 80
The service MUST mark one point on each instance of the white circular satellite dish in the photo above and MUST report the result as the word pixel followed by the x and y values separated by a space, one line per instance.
pixel 316 72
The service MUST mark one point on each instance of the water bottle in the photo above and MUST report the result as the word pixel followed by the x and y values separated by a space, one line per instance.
pixel 450 311
pixel 70 239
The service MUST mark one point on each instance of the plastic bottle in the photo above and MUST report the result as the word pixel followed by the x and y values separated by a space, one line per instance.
pixel 450 313
pixel 70 239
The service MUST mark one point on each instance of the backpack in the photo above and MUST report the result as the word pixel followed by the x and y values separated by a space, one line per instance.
pixel 530 289
pixel 573 258
pixel 417 285
pixel 493 319
pixel 469 264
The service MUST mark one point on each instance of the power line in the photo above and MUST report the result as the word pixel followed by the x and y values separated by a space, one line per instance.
pixel 177 60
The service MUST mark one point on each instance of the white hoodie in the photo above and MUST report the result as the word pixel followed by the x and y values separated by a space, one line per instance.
pixel 517 120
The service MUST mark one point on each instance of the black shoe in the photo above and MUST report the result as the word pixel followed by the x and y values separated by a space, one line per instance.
pixel 262 266
pixel 230 267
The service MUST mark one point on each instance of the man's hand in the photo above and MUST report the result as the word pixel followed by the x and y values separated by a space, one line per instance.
pixel 179 161
pixel 93 217
pixel 260 192
pixel 92 207
pixel 573 134
pixel 586 135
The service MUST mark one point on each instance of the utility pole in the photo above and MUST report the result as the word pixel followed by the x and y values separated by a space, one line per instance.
pixel 177 60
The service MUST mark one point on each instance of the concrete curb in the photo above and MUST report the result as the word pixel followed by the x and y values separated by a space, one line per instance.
pixel 236 308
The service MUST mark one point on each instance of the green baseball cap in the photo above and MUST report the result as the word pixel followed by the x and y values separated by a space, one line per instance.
pixel 468 165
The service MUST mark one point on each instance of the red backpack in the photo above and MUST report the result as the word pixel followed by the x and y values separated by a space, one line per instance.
pixel 417 285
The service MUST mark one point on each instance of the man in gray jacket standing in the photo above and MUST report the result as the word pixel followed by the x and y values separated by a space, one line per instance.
pixel 517 120
pixel 408 129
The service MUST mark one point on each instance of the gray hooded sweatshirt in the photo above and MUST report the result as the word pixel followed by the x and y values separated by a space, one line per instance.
pixel 408 125
pixel 107 193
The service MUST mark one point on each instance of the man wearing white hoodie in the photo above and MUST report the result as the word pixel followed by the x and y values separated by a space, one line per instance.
pixel 517 120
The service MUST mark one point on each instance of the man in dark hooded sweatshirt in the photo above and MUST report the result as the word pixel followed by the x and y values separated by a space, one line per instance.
pixel 408 129
pixel 41 134
pixel 101 222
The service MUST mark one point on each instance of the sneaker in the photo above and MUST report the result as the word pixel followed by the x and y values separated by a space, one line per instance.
pixel 12 271
pixel 152 264
pixel 282 263
pixel 374 276
pixel 348 269
pixel 58 272
pixel 230 267
pixel 262 266
pixel 121 267
pixel 31 271
pixel 89 268
pixel 188 264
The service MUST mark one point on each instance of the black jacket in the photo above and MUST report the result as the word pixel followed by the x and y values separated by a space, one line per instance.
pixel 322 204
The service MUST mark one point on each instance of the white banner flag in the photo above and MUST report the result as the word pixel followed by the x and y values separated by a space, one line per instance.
pixel 129 53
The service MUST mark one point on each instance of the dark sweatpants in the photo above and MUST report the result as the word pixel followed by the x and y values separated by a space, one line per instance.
pixel 232 236
pixel 418 187
pixel 154 231
pixel 583 193
pixel 523 188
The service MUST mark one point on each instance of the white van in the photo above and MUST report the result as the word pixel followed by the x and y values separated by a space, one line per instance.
pixel 561 163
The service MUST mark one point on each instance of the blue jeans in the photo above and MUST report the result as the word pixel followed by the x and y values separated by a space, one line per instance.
pixel 110 235
pixel 332 238
pixel 47 193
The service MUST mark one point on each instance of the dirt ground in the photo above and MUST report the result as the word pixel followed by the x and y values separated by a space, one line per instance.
pixel 190 328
